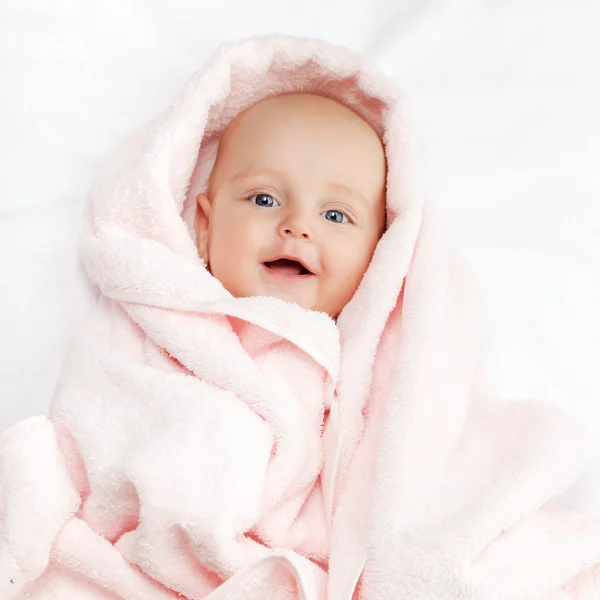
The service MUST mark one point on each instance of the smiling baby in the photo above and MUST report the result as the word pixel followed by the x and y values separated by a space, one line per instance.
pixel 296 202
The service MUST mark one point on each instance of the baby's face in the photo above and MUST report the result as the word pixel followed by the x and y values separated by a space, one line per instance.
pixel 296 202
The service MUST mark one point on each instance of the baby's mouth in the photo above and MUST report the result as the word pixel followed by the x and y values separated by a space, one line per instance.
pixel 286 266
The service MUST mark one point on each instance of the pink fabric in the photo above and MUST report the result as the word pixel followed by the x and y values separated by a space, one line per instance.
pixel 202 446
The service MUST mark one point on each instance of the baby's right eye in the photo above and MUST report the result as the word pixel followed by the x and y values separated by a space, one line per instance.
pixel 264 200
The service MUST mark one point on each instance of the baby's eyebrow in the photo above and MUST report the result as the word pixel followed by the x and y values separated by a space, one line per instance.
pixel 347 190
pixel 262 172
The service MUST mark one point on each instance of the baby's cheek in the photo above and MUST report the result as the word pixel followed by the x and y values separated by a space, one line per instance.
pixel 230 240
pixel 236 256
pixel 345 268
pixel 355 259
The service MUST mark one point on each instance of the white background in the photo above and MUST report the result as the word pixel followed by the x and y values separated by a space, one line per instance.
pixel 506 95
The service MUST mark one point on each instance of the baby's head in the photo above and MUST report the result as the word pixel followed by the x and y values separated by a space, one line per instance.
pixel 295 203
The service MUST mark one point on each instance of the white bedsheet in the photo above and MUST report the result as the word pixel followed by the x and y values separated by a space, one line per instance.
pixel 505 95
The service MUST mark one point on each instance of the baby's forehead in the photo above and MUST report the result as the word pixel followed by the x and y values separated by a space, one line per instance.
pixel 300 108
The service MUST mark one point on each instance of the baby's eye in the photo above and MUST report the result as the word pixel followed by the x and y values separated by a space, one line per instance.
pixel 335 216
pixel 264 200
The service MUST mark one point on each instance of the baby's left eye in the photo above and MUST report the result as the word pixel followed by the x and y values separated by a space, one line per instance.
pixel 336 216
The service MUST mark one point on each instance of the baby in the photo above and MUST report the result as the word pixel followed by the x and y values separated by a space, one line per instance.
pixel 271 399
pixel 296 202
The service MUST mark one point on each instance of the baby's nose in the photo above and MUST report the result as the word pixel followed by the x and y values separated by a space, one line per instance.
pixel 296 227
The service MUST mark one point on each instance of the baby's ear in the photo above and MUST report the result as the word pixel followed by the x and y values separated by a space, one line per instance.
pixel 201 225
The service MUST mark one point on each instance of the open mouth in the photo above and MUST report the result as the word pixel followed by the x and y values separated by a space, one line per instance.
pixel 285 266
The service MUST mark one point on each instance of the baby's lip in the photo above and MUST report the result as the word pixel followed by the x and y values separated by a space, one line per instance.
pixel 297 259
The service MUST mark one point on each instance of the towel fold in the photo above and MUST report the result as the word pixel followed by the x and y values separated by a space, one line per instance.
pixel 205 446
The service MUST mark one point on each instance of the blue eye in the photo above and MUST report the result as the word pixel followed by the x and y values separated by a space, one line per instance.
pixel 335 216
pixel 264 200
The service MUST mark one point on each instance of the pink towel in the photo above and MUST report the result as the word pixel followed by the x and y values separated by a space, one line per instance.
pixel 202 446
